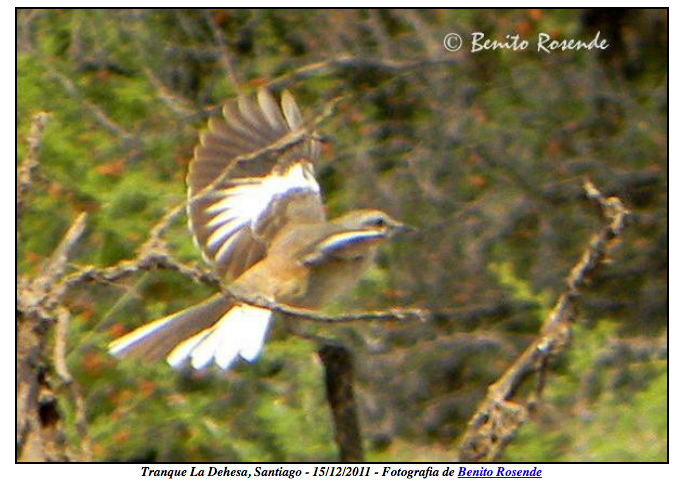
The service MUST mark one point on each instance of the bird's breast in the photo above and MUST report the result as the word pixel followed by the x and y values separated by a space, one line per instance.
pixel 329 281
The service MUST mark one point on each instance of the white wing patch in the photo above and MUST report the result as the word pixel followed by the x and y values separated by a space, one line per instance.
pixel 243 204
pixel 240 332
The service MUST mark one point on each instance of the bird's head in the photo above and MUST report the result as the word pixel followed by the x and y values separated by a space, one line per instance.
pixel 373 219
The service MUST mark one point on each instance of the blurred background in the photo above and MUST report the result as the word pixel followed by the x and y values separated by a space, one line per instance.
pixel 485 152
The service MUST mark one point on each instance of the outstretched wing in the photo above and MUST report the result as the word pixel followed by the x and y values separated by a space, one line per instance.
pixel 234 221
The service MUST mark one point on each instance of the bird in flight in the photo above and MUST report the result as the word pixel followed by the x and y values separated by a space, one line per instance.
pixel 261 223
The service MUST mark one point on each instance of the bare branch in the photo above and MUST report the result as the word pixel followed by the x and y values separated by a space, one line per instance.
pixel 39 427
pixel 225 56
pixel 59 358
pixel 498 417
pixel 96 111
pixel 181 107
pixel 349 62
pixel 57 263
pixel 145 262
pixel 73 91
pixel 28 167
pixel 339 383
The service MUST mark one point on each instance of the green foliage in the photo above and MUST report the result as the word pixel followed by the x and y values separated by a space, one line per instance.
pixel 521 290
pixel 298 421
pixel 604 408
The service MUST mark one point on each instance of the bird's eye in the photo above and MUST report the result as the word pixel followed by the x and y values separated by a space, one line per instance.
pixel 378 222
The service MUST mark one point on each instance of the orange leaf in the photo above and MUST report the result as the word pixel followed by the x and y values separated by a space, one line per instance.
pixel 116 330
pixel 535 13
pixel 477 180
pixel 113 169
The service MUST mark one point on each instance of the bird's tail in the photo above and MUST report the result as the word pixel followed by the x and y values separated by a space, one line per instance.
pixel 212 330
pixel 239 332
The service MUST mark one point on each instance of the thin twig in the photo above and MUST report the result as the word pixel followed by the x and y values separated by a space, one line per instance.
pixel 96 111
pixel 56 265
pixel 160 260
pixel 29 166
pixel 225 56
pixel 353 62
pixel 59 358
pixel 181 107
pixel 149 261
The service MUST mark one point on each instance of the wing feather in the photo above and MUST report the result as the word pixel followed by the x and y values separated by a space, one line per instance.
pixel 272 111
pixel 291 111
pixel 234 222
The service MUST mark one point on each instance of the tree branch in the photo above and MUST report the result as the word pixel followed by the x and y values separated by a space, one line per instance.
pixel 29 166
pixel 226 57
pixel 339 383
pixel 39 426
pixel 498 417
pixel 352 62
pixel 62 370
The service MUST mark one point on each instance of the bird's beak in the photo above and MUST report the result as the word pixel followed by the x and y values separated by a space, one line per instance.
pixel 402 228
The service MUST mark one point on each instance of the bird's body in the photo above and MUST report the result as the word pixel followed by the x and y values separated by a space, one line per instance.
pixel 262 226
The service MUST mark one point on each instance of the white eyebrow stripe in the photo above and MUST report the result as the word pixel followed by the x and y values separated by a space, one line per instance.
pixel 244 203
pixel 339 240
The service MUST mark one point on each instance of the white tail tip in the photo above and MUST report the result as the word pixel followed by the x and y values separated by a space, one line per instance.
pixel 240 332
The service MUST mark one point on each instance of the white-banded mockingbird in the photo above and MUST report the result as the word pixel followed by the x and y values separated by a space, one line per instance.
pixel 264 230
